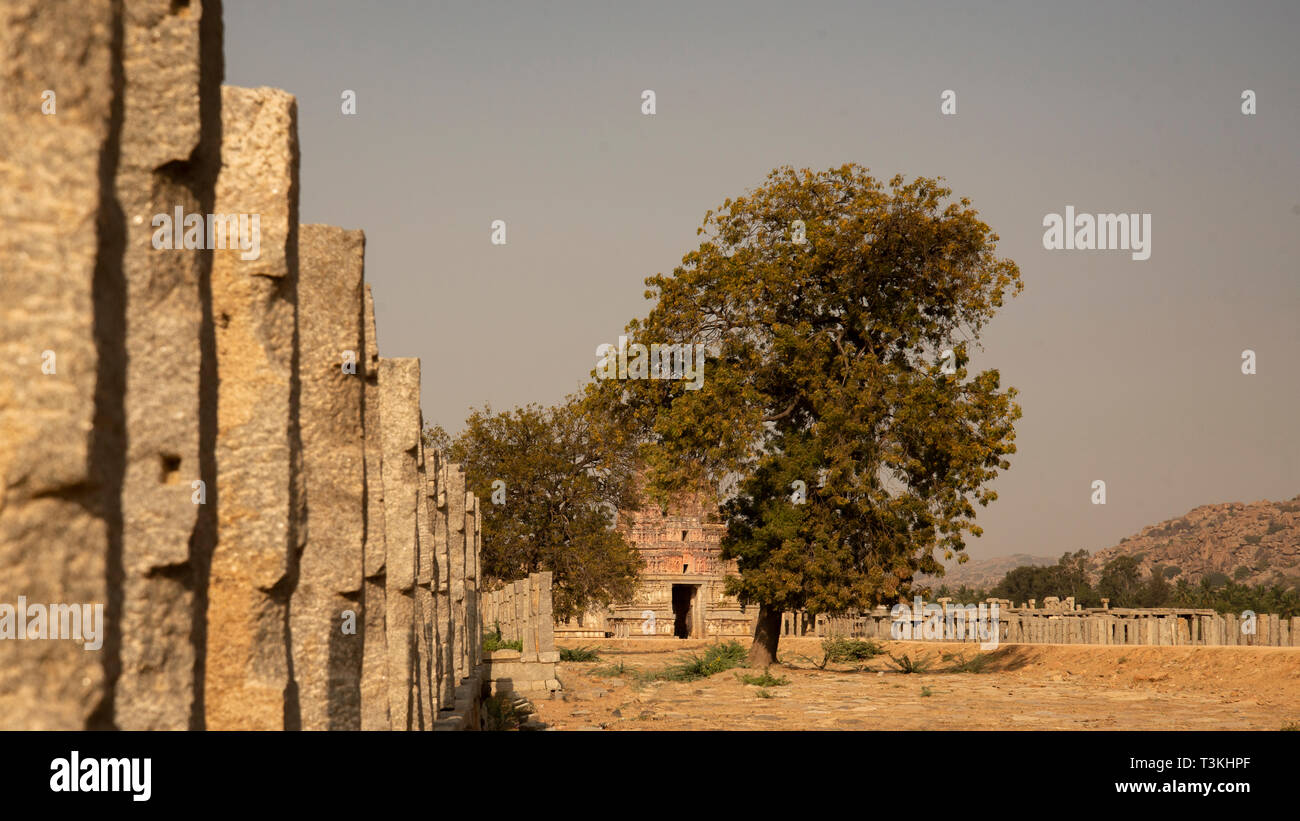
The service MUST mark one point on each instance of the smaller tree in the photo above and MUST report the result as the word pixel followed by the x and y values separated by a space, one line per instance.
pixel 1120 581
pixel 550 481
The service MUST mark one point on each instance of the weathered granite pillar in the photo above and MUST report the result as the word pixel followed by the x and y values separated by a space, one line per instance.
pixel 424 607
pixel 1231 630
pixel 437 503
pixel 456 568
pixel 546 621
pixel 508 613
pixel 326 659
pixel 399 411
pixel 374 662
pixel 61 344
pixel 473 548
pixel 532 605
pixel 521 598
pixel 170 155
pixel 259 498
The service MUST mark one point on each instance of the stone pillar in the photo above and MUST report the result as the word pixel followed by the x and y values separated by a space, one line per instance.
pixel 61 344
pixel 424 604
pixel 531 632
pixel 442 587
pixel 1231 630
pixel 473 539
pixel 374 662
pixel 259 495
pixel 521 598
pixel 1295 631
pixel 399 411
pixel 1284 632
pixel 546 619
pixel 455 507
pixel 168 161
pixel 437 547
pixel 326 659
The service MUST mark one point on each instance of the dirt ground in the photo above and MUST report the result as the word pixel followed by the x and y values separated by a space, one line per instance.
pixel 1022 687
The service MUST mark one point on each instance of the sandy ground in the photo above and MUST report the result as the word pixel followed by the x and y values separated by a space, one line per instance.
pixel 1030 687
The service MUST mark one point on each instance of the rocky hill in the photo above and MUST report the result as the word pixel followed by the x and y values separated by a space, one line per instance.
pixel 1256 543
pixel 982 573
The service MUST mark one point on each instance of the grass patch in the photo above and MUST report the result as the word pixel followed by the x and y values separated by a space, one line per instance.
pixel 493 641
pixel 907 665
pixel 579 654
pixel 975 664
pixel 1293 727
pixel 764 694
pixel 842 650
pixel 926 692
pixel 715 659
pixel 765 680
pixel 611 670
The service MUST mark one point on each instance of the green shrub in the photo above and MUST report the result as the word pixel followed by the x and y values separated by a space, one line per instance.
pixel 579 654
pixel 715 659
pixel 765 680
pixel 1253 539
pixel 493 641
pixel 764 694
pixel 926 692
pixel 843 650
pixel 906 665
pixel 1274 526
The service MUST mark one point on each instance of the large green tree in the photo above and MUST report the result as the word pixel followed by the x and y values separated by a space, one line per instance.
pixel 549 481
pixel 838 312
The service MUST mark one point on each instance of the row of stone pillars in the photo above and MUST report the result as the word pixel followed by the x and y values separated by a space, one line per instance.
pixel 197 434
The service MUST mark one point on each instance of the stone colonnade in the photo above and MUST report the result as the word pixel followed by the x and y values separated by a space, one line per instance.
pixel 198 438
pixel 1131 626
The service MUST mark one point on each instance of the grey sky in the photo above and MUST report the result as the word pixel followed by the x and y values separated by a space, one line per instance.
pixel 530 113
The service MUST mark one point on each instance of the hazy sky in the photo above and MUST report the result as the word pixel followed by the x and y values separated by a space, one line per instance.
pixel 1129 371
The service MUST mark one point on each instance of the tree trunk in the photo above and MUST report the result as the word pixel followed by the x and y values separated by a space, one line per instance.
pixel 767 632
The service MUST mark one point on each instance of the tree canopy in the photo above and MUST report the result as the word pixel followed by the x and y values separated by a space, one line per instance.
pixel 838 313
pixel 549 481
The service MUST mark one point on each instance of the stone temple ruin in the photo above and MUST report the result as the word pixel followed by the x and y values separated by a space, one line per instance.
pixel 679 591
pixel 201 440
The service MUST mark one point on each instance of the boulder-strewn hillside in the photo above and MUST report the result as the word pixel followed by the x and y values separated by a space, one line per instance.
pixel 983 573
pixel 1256 543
